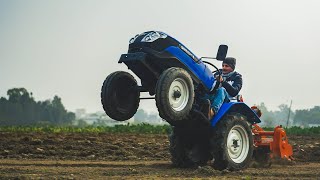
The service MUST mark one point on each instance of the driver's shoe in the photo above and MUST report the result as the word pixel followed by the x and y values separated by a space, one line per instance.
pixel 210 114
pixel 207 110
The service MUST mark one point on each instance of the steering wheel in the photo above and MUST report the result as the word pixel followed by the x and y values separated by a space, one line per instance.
pixel 215 71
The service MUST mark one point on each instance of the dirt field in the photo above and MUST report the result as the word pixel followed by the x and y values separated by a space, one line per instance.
pixel 105 156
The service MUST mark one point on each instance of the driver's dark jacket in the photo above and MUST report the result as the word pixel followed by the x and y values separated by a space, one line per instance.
pixel 232 84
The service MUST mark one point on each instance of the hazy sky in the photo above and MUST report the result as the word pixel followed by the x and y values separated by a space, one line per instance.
pixel 68 47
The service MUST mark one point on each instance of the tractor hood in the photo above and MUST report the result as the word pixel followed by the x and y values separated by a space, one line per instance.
pixel 155 40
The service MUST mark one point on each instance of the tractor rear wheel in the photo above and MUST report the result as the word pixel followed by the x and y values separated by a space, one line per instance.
pixel 186 151
pixel 174 95
pixel 119 96
pixel 232 143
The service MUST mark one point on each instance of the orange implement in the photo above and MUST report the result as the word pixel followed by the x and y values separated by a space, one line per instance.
pixel 276 140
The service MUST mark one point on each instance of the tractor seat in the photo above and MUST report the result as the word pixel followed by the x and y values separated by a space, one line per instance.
pixel 237 98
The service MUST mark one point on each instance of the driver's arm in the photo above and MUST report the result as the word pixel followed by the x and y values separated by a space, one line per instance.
pixel 235 88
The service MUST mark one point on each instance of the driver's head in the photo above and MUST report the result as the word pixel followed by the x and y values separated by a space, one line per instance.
pixel 228 65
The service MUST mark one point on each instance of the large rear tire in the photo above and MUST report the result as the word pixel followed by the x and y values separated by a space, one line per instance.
pixel 119 96
pixel 232 143
pixel 174 95
pixel 186 151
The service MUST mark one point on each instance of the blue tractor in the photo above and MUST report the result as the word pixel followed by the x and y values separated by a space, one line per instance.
pixel 178 80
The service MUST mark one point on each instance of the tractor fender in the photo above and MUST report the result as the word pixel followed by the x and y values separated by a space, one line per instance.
pixel 193 65
pixel 236 107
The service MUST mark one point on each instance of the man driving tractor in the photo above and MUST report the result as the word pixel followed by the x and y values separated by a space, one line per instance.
pixel 180 83
pixel 230 86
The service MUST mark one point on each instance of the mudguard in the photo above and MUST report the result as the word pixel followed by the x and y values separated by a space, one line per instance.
pixel 198 68
pixel 236 107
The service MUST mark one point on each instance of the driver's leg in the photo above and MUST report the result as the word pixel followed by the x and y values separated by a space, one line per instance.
pixel 217 100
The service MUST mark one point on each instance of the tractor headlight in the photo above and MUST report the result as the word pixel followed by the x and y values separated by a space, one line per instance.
pixel 133 39
pixel 154 35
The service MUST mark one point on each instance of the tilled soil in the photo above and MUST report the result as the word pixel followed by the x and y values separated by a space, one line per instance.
pixel 113 155
pixel 84 146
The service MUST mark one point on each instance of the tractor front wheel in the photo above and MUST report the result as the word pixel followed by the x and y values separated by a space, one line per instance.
pixel 119 96
pixel 174 95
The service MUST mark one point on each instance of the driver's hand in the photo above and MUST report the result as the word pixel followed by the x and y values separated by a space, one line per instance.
pixel 217 78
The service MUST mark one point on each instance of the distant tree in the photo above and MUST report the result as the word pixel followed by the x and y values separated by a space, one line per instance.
pixel 22 109
pixel 305 117
pixel 267 116
pixel 315 115
pixel 82 123
pixel 58 110
pixel 282 115
pixel 274 118
pixel 70 117
pixel 140 116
